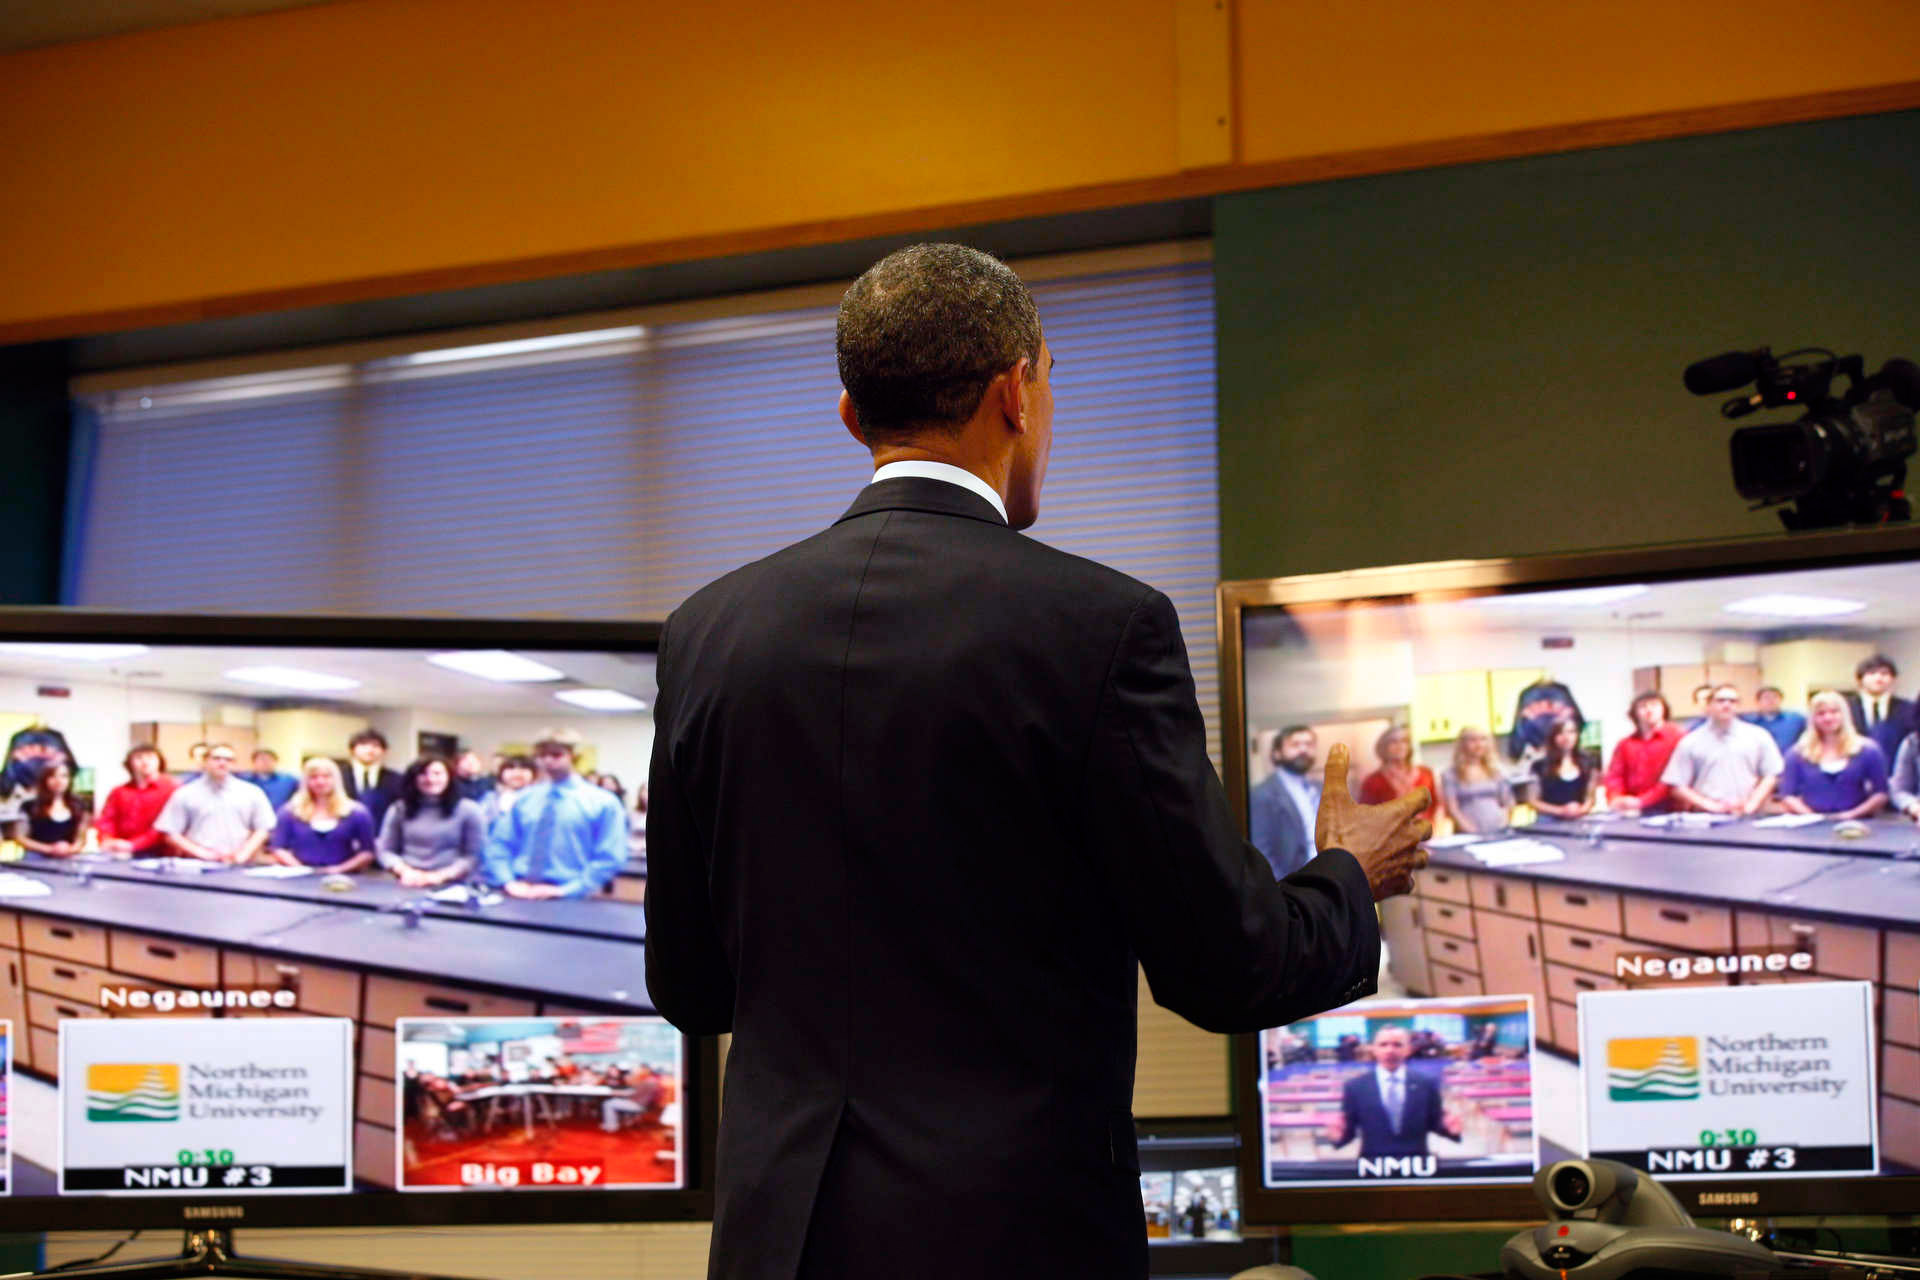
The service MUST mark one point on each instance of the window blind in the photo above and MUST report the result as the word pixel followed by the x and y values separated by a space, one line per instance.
pixel 611 472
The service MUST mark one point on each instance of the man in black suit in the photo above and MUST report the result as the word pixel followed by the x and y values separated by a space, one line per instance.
pixel 1877 712
pixel 923 791
pixel 1392 1108
pixel 367 777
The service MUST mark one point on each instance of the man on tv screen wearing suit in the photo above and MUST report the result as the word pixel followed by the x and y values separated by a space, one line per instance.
pixel 1392 1108
pixel 1877 712
pixel 365 772
pixel 925 796
pixel 1280 810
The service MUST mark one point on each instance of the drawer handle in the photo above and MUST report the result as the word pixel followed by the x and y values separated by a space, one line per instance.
pixel 1450 946
pixel 58 932
pixel 1579 943
pixel 1584 985
pixel 68 974
pixel 165 953
pixel 13 974
pixel 1678 917
pixel 66 1012
pixel 1576 899
pixel 1439 877
pixel 1500 894
pixel 1532 952
pixel 446 1005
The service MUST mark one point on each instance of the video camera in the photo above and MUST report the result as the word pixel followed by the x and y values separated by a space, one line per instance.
pixel 1844 462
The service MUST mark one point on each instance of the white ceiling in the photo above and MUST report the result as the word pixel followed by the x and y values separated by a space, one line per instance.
pixel 28 24
pixel 1891 593
pixel 388 678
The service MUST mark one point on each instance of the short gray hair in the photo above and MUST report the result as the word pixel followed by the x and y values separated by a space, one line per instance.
pixel 925 330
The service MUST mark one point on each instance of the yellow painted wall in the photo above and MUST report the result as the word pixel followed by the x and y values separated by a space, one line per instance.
pixel 370 147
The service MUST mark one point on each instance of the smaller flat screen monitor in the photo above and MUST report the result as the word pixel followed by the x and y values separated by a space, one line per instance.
pixel 1672 916
pixel 302 924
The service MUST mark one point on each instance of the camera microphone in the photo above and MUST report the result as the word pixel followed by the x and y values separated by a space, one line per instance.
pixel 1724 372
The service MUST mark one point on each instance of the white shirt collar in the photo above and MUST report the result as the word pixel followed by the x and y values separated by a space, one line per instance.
pixel 943 471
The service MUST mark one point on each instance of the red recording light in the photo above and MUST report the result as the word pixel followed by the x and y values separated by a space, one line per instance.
pixel 1793 395
pixel 1564 1230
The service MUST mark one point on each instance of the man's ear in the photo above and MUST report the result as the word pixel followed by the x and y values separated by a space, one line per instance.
pixel 1011 388
pixel 851 419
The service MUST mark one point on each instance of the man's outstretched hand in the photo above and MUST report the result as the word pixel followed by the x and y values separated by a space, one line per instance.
pixel 1385 838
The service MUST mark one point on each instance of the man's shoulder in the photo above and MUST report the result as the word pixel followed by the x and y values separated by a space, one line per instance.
pixel 958 548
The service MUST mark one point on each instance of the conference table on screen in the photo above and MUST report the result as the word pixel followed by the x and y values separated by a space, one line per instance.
pixel 581 949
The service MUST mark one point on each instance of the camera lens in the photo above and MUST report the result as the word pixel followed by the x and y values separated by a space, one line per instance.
pixel 1571 1186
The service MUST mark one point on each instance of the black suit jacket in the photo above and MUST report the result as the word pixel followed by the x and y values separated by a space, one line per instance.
pixel 385 790
pixel 1420 1114
pixel 1889 733
pixel 922 791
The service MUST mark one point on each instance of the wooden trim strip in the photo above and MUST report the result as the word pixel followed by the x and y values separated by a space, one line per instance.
pixel 1192 184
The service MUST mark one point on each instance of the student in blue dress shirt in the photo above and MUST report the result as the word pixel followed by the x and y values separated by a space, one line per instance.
pixel 266 775
pixel 1834 769
pixel 1785 726
pixel 564 837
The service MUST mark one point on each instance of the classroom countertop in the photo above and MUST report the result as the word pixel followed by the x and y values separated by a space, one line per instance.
pixel 1798 870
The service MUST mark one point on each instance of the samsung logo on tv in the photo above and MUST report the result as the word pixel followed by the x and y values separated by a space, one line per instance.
pixel 197 1212
pixel 1708 1198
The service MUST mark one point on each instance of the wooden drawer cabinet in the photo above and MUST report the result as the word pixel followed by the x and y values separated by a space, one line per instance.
pixel 1903 959
pixel 324 991
pixel 1448 917
pixel 9 930
pixel 1445 884
pixel 1503 893
pixel 377 1052
pixel 1676 923
pixel 1900 1131
pixel 1901 1072
pixel 1405 936
pixel 373 1149
pixel 1456 953
pixel 86 943
pixel 1562 1026
pixel 376 1100
pixel 44 1044
pixel 184 964
pixel 1566 984
pixel 1594 952
pixel 68 978
pixel 391 998
pixel 1901 1022
pixel 1448 981
pixel 44 1010
pixel 1839 950
pixel 1596 910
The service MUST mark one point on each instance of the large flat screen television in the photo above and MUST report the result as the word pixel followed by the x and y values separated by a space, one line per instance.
pixel 1695 949
pixel 255 973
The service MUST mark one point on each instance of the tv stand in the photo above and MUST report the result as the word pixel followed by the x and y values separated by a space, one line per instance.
pixel 208 1251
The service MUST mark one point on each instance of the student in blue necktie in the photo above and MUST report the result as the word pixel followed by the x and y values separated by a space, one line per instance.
pixel 564 837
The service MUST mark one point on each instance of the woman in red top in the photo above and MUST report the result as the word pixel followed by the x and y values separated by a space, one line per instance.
pixel 1398 774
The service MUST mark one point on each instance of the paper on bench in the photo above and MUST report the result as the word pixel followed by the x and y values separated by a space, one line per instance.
pixel 1517 852
pixel 1791 820
pixel 15 885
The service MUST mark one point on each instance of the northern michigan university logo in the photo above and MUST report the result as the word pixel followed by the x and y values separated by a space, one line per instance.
pixel 133 1091
pixel 1653 1069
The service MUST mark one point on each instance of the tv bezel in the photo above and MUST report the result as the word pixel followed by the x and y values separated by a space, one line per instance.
pixel 700 1107
pixel 1457 579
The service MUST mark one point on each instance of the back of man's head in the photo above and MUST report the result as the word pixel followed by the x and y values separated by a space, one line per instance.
pixel 922 334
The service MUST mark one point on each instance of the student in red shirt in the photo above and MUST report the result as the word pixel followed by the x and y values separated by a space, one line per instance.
pixel 126 819
pixel 1633 776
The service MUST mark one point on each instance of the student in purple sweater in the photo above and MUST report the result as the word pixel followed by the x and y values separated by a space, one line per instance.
pixel 320 826
pixel 1834 768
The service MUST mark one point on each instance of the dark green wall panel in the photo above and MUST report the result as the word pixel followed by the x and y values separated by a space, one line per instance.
pixel 1485 361
pixel 34 444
